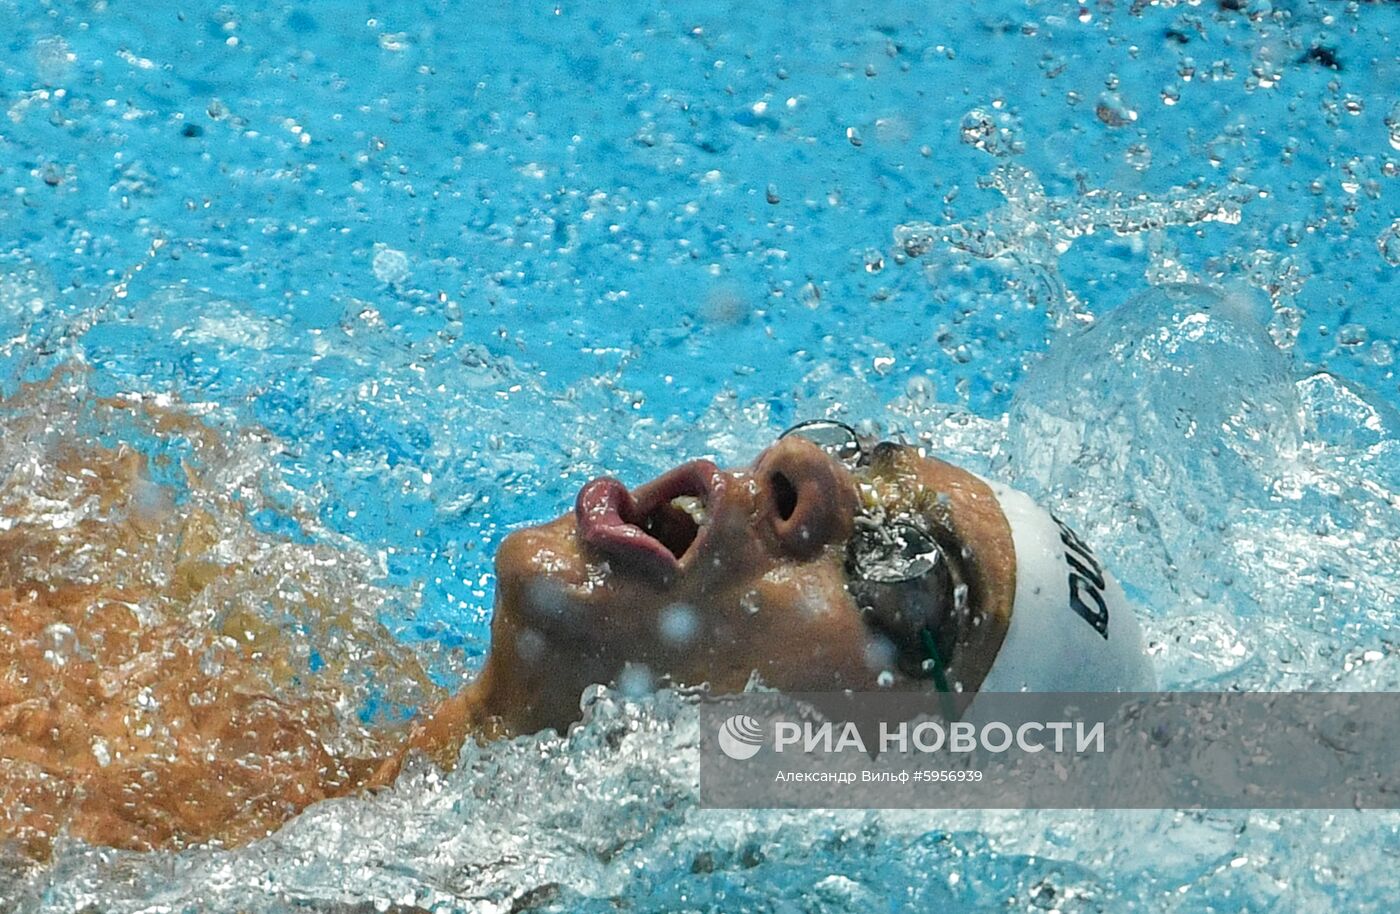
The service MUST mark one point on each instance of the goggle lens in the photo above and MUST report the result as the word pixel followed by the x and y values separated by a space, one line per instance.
pixel 894 554
pixel 897 571
pixel 837 439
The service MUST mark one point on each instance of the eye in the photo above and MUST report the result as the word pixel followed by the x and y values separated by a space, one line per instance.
pixel 784 495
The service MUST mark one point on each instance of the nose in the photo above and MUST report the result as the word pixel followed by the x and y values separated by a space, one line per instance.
pixel 807 499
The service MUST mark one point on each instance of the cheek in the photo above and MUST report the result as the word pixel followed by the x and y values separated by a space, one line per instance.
pixel 807 595
pixel 812 634
pixel 549 551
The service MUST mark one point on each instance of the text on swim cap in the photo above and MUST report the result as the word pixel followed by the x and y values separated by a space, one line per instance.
pixel 1086 581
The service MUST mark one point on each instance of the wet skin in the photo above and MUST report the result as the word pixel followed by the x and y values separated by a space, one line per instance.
pixel 628 587
pixel 759 588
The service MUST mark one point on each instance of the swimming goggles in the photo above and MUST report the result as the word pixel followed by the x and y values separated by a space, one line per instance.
pixel 895 568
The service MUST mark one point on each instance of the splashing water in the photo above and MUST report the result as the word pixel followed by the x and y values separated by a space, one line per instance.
pixel 141 585
pixel 1253 513
pixel 608 815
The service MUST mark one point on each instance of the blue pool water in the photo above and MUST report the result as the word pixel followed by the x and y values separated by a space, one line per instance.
pixel 441 263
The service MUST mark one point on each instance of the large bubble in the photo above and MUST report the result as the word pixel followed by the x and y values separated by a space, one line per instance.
pixel 1174 403
pixel 1224 491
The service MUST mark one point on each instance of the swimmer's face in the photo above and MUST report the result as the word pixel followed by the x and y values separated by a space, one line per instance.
pixel 716 576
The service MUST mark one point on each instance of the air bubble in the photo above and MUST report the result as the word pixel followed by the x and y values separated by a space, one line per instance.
pixel 1392 125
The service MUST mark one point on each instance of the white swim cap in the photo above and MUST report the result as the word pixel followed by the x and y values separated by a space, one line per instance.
pixel 1072 628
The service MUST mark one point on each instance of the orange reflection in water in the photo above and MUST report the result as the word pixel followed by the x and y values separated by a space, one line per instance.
pixel 156 684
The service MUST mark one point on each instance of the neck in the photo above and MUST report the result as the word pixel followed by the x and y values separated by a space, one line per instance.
pixel 439 734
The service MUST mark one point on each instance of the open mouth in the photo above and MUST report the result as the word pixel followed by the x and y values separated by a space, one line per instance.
pixel 659 526
pixel 676 524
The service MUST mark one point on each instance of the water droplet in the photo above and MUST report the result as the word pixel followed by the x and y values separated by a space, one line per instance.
pixel 885 679
pixel 530 645
pixel 390 266
pixel 60 644
pixel 853 135
pixel 53 59
pixel 1389 244
pixel 101 752
pixel 678 624
pixel 1392 124
pixel 920 390
pixel 211 662
pixel 1113 111
pixel 1351 334
pixel 993 132
pixel 636 681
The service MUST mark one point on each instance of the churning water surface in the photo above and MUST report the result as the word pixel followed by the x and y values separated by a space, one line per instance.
pixel 363 286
